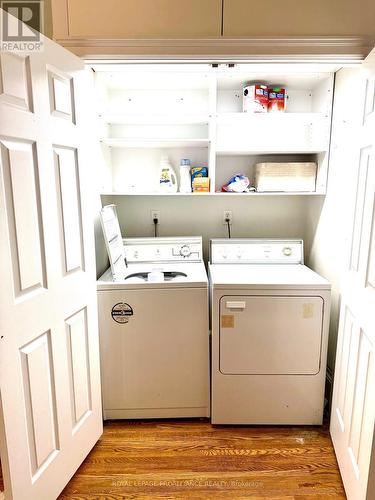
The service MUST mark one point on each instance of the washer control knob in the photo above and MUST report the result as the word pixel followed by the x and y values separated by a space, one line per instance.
pixel 185 251
pixel 287 251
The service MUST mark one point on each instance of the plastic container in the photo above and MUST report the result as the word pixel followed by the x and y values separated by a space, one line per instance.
pixel 155 275
pixel 167 177
pixel 185 176
pixel 255 98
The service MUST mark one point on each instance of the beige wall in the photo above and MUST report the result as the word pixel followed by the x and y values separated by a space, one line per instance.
pixel 299 17
pixel 253 217
pixel 48 31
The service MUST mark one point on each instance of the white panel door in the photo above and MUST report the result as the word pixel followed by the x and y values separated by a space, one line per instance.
pixel 49 358
pixel 353 406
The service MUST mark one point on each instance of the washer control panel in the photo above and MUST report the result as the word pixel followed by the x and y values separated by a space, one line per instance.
pixel 255 251
pixel 163 249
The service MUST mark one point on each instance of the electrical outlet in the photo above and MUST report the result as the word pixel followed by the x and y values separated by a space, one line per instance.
pixel 227 214
pixel 155 214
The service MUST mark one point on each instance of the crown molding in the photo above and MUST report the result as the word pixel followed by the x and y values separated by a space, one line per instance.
pixel 258 48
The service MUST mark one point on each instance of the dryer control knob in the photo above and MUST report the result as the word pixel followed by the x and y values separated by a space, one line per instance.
pixel 185 251
pixel 287 251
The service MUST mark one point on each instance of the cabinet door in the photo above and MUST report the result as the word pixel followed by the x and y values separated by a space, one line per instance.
pixel 144 18
pixel 50 408
pixel 353 406
pixel 296 18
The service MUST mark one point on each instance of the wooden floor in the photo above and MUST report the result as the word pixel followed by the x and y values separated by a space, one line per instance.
pixel 194 460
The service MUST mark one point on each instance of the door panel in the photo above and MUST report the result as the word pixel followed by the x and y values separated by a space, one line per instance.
pixel 40 400
pixel 362 183
pixel 369 107
pixel 79 369
pixel 21 182
pixel 69 201
pixel 271 335
pixel 61 95
pixel 353 405
pixel 15 81
pixel 370 268
pixel 49 353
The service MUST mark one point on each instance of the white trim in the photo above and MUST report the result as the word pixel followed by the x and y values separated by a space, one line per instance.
pixel 258 48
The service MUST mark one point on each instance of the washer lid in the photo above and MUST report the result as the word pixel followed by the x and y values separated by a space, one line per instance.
pixel 266 276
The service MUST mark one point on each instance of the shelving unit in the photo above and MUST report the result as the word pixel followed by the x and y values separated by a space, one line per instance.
pixel 195 112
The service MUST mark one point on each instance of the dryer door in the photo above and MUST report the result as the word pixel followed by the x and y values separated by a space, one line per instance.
pixel 270 335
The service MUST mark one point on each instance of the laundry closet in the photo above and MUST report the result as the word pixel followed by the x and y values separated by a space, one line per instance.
pixel 195 111
pixel 122 118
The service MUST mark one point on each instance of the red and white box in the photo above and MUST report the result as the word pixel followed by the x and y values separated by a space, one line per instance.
pixel 276 100
pixel 255 98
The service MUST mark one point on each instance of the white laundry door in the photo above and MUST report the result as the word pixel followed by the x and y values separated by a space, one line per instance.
pixel 49 357
pixel 353 407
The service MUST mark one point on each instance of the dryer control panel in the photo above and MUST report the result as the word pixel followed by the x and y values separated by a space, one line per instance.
pixel 256 251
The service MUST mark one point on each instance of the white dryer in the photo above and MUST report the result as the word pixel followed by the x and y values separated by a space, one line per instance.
pixel 154 331
pixel 270 320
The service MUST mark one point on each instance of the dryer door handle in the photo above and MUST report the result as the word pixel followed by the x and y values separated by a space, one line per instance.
pixel 236 304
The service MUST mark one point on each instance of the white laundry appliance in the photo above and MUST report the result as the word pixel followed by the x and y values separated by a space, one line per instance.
pixel 270 319
pixel 154 332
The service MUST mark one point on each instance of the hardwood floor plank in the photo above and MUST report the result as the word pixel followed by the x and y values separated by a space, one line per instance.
pixel 192 459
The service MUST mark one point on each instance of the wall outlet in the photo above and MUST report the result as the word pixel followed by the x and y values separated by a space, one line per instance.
pixel 155 214
pixel 227 214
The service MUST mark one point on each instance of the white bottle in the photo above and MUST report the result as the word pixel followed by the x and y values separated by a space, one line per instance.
pixel 167 177
pixel 185 176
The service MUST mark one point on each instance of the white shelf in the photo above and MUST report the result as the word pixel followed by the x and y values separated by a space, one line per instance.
pixel 154 119
pixel 283 193
pixel 154 143
pixel 133 193
pixel 253 118
pixel 268 151
pixel 271 133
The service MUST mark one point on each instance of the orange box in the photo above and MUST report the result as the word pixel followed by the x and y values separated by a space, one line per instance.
pixel 201 185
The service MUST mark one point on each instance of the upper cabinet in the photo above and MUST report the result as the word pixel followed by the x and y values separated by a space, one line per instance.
pixel 137 18
pixel 215 29
pixel 250 18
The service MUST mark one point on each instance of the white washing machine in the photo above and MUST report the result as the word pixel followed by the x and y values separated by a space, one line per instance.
pixel 270 319
pixel 154 331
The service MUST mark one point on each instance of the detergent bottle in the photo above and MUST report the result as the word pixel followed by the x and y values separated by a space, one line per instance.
pixel 167 177
pixel 185 177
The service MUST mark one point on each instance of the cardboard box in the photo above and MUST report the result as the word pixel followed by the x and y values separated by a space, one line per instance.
pixel 201 185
